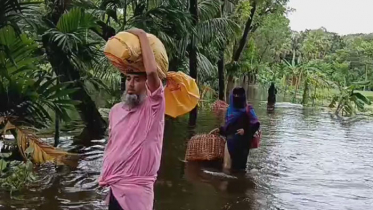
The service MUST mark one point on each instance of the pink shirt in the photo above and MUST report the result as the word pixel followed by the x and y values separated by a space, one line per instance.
pixel 133 153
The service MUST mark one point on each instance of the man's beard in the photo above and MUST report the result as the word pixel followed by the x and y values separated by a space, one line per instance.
pixel 132 100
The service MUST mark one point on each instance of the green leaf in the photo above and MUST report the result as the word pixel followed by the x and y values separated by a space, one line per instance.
pixel 74 20
pixel 29 165
pixel 3 165
pixel 362 98
pixel 31 177
pixel 29 150
pixel 5 155
pixel 67 102
pixel 45 86
pixel 62 93
pixel 218 30
pixel 208 9
pixel 106 3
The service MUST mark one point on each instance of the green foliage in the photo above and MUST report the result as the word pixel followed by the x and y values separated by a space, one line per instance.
pixel 242 12
pixel 13 11
pixel 72 30
pixel 311 62
pixel 69 42
pixel 347 101
pixel 3 165
pixel 25 92
pixel 15 175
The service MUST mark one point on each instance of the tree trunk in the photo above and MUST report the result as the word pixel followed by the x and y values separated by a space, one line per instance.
pixel 314 97
pixel 95 124
pixel 221 62
pixel 246 32
pixel 251 78
pixel 193 57
pixel 57 122
pixel 305 93
pixel 244 81
pixel 242 44
pixel 230 85
pixel 124 14
pixel 56 130
pixel 174 64
pixel 221 76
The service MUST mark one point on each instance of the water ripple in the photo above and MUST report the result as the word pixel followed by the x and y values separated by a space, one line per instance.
pixel 308 159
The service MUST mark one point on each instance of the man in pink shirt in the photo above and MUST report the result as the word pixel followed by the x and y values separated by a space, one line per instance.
pixel 133 153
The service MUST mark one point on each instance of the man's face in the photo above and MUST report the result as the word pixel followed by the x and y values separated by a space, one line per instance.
pixel 135 84
pixel 135 90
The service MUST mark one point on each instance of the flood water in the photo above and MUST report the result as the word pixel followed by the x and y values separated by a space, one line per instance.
pixel 308 159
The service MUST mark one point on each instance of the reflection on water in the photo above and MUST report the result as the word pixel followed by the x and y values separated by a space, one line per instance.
pixel 307 160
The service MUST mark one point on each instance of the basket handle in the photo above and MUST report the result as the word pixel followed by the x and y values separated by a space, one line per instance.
pixel 215 131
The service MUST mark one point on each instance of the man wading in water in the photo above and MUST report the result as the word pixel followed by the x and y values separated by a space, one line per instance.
pixel 133 153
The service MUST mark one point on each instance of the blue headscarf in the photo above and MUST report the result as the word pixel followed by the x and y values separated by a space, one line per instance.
pixel 234 113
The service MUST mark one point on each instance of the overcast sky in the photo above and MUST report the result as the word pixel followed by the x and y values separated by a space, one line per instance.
pixel 340 16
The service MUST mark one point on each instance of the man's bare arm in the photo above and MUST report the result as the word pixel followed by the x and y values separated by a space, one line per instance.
pixel 148 59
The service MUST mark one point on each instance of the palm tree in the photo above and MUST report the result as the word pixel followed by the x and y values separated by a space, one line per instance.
pixel 70 42
pixel 25 92
pixel 28 93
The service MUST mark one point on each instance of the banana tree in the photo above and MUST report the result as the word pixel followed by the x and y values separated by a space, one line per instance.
pixel 348 102
pixel 294 72
pixel 313 79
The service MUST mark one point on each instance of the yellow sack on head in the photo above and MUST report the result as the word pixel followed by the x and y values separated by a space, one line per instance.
pixel 124 52
pixel 181 94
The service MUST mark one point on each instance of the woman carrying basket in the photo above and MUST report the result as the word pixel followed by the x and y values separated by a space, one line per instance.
pixel 241 123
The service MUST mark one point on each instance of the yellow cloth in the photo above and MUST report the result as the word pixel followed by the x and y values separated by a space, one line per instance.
pixel 181 94
pixel 124 52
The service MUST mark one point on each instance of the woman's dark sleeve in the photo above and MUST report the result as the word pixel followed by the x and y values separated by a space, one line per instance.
pixel 222 131
pixel 253 123
pixel 251 129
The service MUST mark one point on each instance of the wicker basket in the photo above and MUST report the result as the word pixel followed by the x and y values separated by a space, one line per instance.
pixel 219 107
pixel 205 147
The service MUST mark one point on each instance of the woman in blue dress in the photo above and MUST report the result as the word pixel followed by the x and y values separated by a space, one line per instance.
pixel 241 123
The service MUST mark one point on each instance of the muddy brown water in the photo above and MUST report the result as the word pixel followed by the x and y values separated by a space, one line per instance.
pixel 308 159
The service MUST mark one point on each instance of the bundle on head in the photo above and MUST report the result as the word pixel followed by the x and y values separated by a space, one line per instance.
pixel 124 52
pixel 181 92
